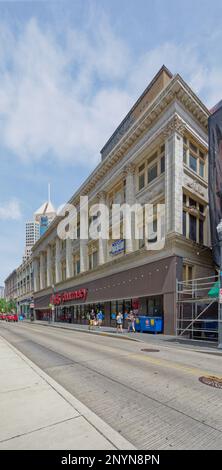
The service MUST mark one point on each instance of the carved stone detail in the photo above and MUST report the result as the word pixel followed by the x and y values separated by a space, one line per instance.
pixel 174 125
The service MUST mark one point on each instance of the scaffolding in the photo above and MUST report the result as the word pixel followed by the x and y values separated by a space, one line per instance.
pixel 197 308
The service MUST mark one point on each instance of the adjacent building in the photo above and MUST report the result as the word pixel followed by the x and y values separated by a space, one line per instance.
pixel 37 227
pixel 2 292
pixel 32 234
pixel 11 286
pixel 24 275
pixel 157 155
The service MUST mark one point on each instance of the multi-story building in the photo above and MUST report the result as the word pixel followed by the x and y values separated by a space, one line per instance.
pixel 32 234
pixel 157 155
pixel 44 216
pixel 2 292
pixel 11 286
pixel 25 288
pixel 36 228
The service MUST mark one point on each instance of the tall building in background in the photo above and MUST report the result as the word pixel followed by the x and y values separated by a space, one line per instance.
pixel 36 228
pixel 32 234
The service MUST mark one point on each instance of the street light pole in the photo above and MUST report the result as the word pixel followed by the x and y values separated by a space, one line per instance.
pixel 219 231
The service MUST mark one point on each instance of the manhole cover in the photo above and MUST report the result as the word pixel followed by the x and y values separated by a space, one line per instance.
pixel 150 350
pixel 212 381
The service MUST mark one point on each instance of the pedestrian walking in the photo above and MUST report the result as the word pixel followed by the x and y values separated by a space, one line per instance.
pixel 131 322
pixel 99 318
pixel 119 322
pixel 92 317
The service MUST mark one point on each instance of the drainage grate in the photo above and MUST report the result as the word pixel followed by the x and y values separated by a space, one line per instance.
pixel 212 381
pixel 150 350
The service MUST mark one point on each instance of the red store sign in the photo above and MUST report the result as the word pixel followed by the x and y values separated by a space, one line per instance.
pixel 58 299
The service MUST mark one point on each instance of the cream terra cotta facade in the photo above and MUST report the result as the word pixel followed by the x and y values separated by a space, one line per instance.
pixel 158 154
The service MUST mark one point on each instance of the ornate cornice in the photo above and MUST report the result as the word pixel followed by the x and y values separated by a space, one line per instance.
pixel 101 196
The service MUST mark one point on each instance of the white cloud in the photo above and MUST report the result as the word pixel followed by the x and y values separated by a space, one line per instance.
pixel 48 96
pixel 10 210
pixel 65 97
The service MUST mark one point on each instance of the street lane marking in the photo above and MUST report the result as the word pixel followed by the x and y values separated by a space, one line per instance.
pixel 170 365
pixel 140 357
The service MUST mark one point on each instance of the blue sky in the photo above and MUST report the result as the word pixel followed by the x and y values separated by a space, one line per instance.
pixel 69 71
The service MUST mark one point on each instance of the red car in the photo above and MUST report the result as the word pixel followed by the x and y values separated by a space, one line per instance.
pixel 2 316
pixel 12 317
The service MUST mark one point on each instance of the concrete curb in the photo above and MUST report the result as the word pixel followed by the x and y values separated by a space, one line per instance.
pixel 98 333
pixel 118 441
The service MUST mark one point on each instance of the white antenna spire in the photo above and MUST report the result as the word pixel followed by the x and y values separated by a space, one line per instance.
pixel 49 196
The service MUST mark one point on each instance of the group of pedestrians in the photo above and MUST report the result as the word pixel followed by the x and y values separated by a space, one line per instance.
pixel 131 321
pixel 96 319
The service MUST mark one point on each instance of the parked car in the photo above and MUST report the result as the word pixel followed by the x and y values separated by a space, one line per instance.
pixel 12 317
pixel 2 316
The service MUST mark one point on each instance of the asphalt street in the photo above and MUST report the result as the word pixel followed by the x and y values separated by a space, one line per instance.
pixel 153 398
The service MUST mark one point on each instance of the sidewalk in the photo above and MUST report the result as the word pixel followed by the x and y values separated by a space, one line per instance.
pixel 37 413
pixel 142 337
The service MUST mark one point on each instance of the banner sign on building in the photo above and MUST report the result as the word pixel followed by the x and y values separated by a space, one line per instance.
pixel 60 298
pixel 215 178
pixel 117 247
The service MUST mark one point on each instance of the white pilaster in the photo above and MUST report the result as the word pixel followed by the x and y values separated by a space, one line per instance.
pixel 42 283
pixel 83 241
pixel 102 258
pixel 58 268
pixel 130 199
pixel 174 178
pixel 48 266
pixel 69 259
pixel 83 255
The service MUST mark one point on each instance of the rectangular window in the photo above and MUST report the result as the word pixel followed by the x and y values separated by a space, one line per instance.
pixel 141 167
pixel 201 208
pixel 193 147
pixel 184 199
pixel 95 259
pixel 193 228
pixel 184 223
pixel 184 154
pixel 201 154
pixel 162 164
pixel 190 273
pixel 192 203
pixel 78 267
pixel 201 168
pixel 90 262
pixel 141 181
pixel 201 231
pixel 193 163
pixel 152 173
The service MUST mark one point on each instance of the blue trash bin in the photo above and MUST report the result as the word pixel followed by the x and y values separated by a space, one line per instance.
pixel 150 324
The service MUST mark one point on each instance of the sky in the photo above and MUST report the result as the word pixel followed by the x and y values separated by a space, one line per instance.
pixel 69 72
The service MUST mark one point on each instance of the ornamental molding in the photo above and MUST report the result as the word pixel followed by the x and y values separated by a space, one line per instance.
pixel 195 186
pixel 101 196
pixel 129 169
pixel 176 124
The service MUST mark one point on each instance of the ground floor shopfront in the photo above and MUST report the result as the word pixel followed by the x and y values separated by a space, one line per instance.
pixel 148 289
pixel 152 306
pixel 25 307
